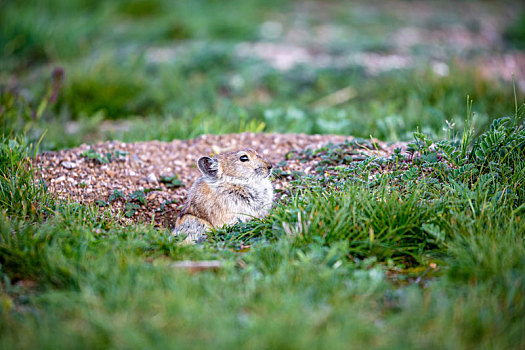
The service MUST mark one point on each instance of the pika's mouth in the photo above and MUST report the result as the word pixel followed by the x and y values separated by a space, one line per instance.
pixel 264 172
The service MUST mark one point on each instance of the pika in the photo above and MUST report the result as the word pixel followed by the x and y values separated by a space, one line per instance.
pixel 234 186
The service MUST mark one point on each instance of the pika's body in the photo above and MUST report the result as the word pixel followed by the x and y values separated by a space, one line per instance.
pixel 234 187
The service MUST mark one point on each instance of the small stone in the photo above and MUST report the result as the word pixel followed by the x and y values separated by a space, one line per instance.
pixel 69 165
pixel 152 178
pixel 135 158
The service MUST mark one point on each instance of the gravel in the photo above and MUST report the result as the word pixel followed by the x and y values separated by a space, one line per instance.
pixel 143 166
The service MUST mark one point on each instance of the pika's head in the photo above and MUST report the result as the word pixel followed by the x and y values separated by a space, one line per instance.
pixel 244 165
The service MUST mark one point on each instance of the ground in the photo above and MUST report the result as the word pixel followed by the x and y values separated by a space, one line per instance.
pixel 397 133
pixel 150 168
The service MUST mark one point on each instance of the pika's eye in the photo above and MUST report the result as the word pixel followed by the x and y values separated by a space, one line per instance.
pixel 244 159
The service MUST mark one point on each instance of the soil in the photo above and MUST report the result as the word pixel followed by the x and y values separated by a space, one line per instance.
pixel 147 166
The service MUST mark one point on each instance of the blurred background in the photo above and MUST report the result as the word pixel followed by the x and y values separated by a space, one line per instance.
pixel 85 71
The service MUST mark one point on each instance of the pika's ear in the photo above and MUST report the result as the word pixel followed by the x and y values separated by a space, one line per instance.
pixel 208 166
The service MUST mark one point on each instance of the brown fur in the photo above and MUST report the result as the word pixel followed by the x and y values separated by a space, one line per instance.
pixel 229 190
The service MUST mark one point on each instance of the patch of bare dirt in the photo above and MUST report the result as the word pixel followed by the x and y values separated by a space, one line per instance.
pixel 148 166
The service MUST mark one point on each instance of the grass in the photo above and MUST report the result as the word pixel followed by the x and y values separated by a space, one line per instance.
pixel 20 193
pixel 417 250
pixel 51 29
pixel 181 108
pixel 117 80
pixel 411 258
pixel 515 33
